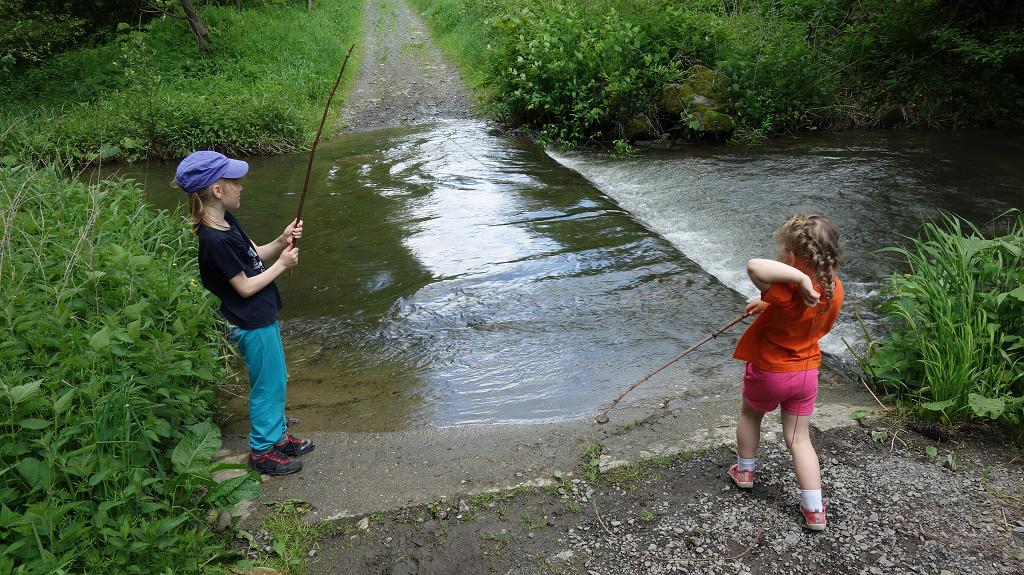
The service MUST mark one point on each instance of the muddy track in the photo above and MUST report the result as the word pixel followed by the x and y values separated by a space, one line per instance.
pixel 404 79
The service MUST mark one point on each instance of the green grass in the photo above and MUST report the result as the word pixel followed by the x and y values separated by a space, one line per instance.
pixel 152 94
pixel 957 346
pixel 291 538
pixel 110 354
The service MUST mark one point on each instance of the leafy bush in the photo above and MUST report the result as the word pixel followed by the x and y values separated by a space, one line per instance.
pixel 957 345
pixel 573 70
pixel 581 71
pixel 150 93
pixel 105 382
pixel 32 35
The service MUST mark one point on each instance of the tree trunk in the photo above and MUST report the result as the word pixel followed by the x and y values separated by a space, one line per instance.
pixel 309 5
pixel 195 24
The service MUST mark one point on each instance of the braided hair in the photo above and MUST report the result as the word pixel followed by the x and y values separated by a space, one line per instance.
pixel 814 238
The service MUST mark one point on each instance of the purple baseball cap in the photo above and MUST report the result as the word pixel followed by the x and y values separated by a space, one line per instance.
pixel 202 168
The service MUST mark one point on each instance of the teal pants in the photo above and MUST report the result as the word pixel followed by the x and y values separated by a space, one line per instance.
pixel 268 376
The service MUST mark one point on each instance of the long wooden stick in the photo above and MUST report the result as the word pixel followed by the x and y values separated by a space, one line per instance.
pixel 316 140
pixel 603 418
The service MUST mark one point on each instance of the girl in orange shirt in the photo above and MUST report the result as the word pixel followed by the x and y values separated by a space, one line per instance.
pixel 799 303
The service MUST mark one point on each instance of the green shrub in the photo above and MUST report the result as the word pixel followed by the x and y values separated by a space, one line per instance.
pixel 150 93
pixel 580 71
pixel 109 352
pixel 575 70
pixel 957 343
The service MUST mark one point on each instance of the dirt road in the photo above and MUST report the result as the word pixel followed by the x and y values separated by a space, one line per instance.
pixel 404 78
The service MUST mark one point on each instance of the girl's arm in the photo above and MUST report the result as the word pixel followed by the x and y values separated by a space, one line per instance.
pixel 272 250
pixel 249 286
pixel 764 273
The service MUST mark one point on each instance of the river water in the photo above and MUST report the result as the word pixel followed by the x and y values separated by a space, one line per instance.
pixel 452 274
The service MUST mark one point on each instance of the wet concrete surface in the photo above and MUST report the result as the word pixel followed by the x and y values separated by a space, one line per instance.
pixel 351 474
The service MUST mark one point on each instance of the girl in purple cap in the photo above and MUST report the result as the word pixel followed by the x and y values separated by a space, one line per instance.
pixel 231 266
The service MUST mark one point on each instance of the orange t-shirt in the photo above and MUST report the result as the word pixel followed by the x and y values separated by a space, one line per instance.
pixel 785 336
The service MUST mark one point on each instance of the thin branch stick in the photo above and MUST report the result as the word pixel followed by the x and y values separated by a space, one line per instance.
pixel 312 150
pixel 603 418
pixel 598 515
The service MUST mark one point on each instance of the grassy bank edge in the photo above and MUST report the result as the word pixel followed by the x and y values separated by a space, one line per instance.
pixel 263 88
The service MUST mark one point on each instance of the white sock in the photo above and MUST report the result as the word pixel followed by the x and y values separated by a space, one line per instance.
pixel 746 464
pixel 812 499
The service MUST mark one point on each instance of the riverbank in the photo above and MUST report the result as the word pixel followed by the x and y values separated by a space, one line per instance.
pixel 902 498
pixel 152 94
pixel 364 473
pixel 584 72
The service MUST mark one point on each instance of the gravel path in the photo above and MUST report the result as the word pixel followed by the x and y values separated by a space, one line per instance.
pixel 404 79
pixel 893 510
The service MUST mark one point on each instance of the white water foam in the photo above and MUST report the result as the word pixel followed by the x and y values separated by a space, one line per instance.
pixel 717 234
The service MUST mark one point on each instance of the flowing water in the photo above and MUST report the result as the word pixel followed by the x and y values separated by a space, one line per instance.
pixel 451 274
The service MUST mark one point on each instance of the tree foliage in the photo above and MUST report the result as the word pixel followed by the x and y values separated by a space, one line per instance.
pixel 33 31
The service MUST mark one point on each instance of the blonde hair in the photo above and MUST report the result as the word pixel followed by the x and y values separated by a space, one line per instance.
pixel 813 238
pixel 196 210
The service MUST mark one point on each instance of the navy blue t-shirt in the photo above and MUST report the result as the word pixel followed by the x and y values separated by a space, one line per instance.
pixel 224 253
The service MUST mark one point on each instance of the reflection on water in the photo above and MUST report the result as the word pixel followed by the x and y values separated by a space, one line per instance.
pixel 451 274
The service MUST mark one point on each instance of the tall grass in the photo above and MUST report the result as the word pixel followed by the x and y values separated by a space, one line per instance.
pixel 106 370
pixel 957 346
pixel 152 94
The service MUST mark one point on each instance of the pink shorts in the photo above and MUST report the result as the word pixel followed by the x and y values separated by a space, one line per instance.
pixel 795 390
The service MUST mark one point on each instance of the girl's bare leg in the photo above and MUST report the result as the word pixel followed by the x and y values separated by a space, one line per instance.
pixel 796 429
pixel 748 432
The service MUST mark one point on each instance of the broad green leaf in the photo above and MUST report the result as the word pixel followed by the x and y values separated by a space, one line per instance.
pixel 859 414
pixel 99 477
pixel 100 339
pixel 20 393
pixel 938 405
pixel 279 547
pixel 64 402
pixel 1018 293
pixel 7 517
pixel 931 451
pixel 135 310
pixel 225 465
pixel 31 469
pixel 982 406
pixel 109 151
pixel 231 491
pixel 197 448
pixel 34 423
